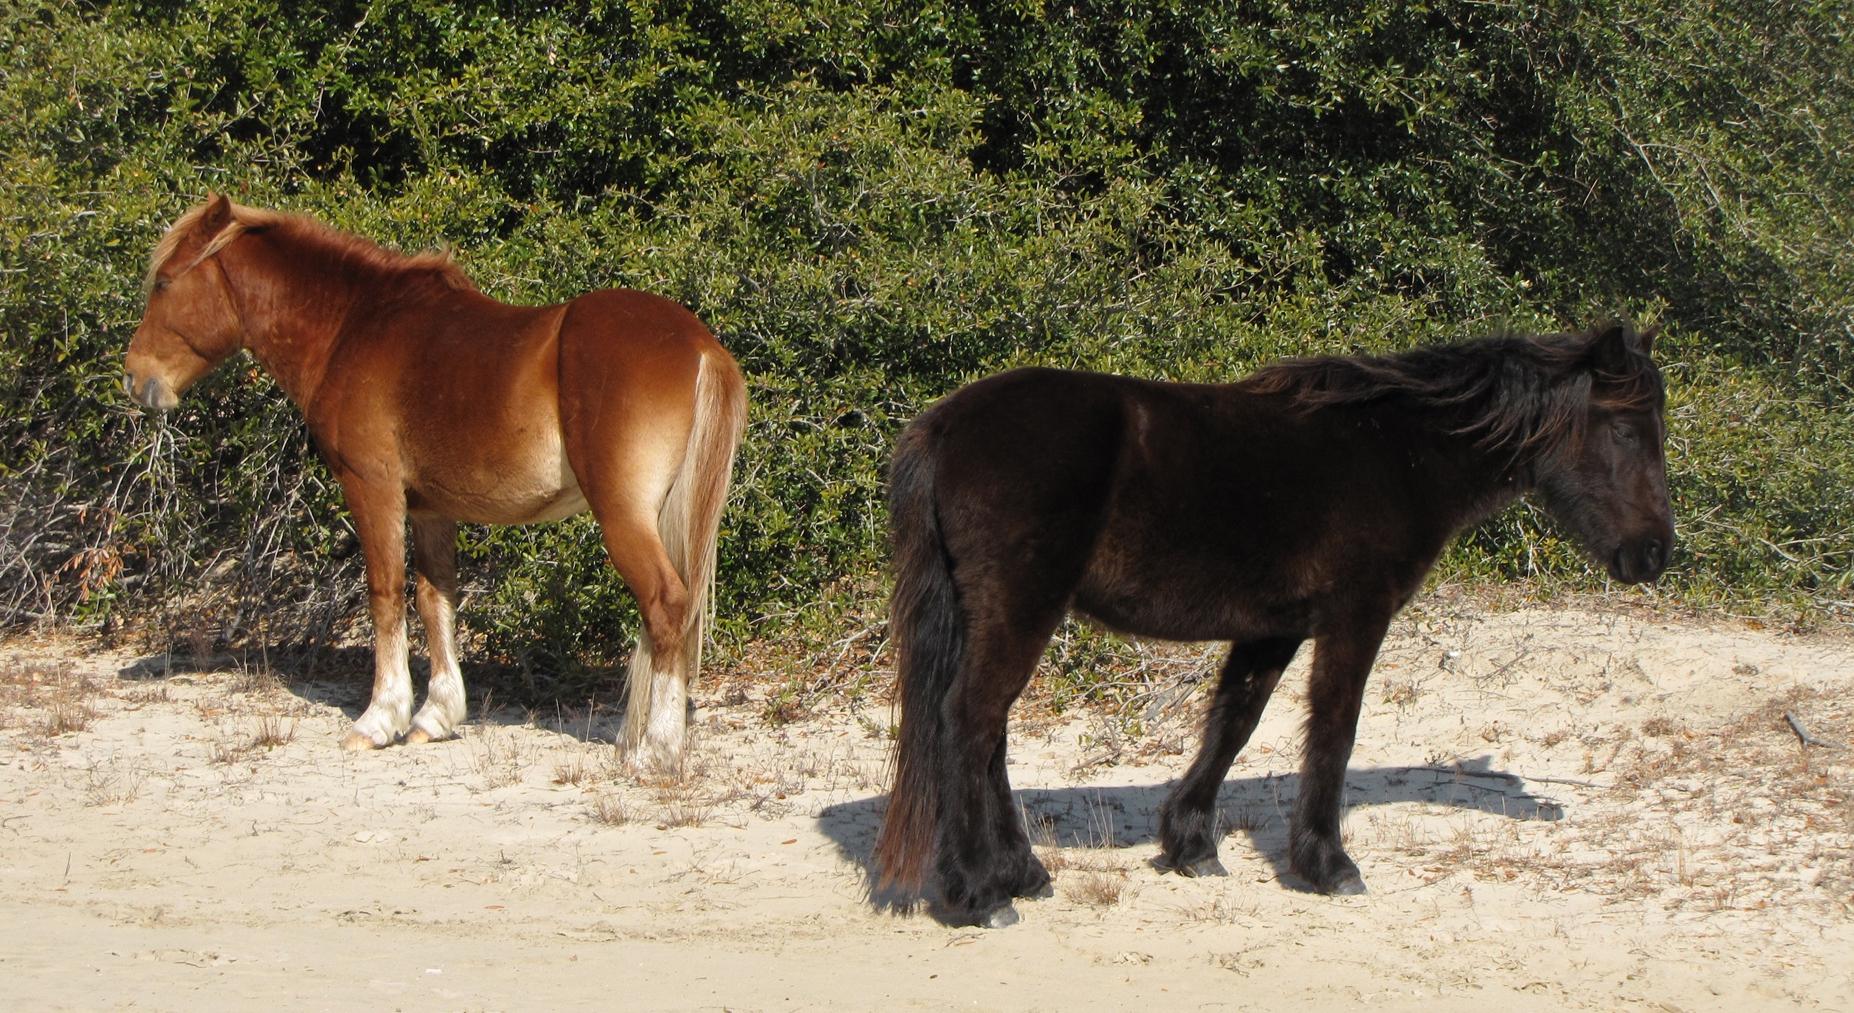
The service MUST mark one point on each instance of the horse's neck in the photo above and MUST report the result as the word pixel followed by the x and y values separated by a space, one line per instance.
pixel 292 314
pixel 1475 482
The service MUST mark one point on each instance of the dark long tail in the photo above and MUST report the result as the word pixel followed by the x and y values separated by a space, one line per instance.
pixel 928 629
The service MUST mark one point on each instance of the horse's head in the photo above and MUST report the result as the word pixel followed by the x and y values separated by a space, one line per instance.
pixel 1608 484
pixel 191 323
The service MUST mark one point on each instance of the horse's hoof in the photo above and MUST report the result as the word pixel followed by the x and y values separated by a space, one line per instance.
pixel 646 769
pixel 1033 880
pixel 1002 918
pixel 419 736
pixel 1350 886
pixel 359 742
pixel 1203 867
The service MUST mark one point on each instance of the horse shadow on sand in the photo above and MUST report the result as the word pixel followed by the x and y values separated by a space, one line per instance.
pixel 342 678
pixel 1252 812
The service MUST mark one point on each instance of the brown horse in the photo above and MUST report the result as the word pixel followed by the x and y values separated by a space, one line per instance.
pixel 1307 501
pixel 434 402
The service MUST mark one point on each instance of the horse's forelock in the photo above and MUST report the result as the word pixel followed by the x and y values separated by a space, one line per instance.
pixel 169 245
pixel 187 228
pixel 1631 382
pixel 1577 380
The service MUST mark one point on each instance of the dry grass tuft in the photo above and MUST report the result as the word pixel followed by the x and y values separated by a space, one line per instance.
pixel 1662 726
pixel 784 708
pixel 686 810
pixel 148 693
pixel 65 715
pixel 1225 911
pixel 1091 873
pixel 49 699
pixel 609 810
pixel 257 680
pixel 111 786
pixel 272 732
pixel 496 755
pixel 1401 695
pixel 576 771
pixel 1099 888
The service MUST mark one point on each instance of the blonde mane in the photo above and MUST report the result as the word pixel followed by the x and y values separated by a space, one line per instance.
pixel 351 249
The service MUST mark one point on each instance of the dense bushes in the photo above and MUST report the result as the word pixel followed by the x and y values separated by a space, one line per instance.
pixel 871 203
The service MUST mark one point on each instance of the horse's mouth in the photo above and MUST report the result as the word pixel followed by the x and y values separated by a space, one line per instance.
pixel 153 395
pixel 1638 562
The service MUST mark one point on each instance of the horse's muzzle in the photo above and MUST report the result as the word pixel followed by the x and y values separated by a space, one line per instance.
pixel 1639 561
pixel 153 394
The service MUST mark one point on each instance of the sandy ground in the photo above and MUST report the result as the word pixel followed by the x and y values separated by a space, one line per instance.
pixel 1554 809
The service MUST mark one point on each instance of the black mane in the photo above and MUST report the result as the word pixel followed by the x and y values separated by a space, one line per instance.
pixel 1526 393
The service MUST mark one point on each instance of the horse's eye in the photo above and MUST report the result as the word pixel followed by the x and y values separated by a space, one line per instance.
pixel 1625 433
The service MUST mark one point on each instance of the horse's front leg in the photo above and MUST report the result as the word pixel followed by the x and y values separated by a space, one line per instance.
pixel 1342 660
pixel 1186 821
pixel 434 560
pixel 380 519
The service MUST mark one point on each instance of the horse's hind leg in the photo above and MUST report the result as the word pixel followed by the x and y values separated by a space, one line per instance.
pixel 1342 660
pixel 1186 832
pixel 1025 874
pixel 984 858
pixel 434 560
pixel 656 709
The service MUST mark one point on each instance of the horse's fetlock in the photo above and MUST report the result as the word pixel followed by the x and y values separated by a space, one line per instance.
pixel 1032 878
pixel 1185 839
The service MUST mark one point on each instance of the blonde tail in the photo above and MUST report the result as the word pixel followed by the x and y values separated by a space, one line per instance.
pixel 687 526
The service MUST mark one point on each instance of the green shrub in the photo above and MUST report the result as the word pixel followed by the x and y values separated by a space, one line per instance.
pixel 872 204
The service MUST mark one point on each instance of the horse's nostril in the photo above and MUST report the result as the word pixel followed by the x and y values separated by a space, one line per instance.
pixel 1654 554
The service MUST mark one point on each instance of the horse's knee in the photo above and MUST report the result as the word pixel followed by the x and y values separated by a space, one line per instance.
pixel 428 598
pixel 386 601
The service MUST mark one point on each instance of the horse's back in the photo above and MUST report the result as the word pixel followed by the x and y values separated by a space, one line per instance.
pixel 1150 502
pixel 1027 433
pixel 629 318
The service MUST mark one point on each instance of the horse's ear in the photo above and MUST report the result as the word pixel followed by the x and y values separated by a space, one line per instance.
pixel 1648 335
pixel 1610 347
pixel 217 216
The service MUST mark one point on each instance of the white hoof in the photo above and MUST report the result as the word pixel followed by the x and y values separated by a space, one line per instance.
pixel 374 729
pixel 648 762
pixel 357 741
pixel 418 736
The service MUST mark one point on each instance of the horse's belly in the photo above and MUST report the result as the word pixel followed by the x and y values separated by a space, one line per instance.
pixel 563 505
pixel 508 505
pixel 1176 602
pixel 535 488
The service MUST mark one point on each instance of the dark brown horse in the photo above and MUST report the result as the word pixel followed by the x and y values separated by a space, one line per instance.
pixel 433 402
pixel 1307 501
